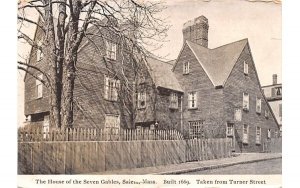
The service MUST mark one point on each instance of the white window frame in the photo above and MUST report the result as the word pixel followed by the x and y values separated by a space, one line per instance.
pixel 142 97
pixel 258 135
pixel 267 114
pixel 114 126
pixel 246 68
pixel 238 114
pixel 269 134
pixel 111 88
pixel 246 101
pixel 111 50
pixel 39 87
pixel 245 133
pixel 196 129
pixel 186 67
pixel 192 100
pixel 258 105
pixel 174 100
pixel 229 129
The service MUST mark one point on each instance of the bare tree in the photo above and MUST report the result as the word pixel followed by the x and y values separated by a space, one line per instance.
pixel 64 24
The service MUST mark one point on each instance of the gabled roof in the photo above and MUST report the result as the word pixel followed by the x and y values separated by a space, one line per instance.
pixel 162 75
pixel 218 62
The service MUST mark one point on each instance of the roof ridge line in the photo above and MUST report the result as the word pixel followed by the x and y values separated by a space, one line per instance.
pixel 228 44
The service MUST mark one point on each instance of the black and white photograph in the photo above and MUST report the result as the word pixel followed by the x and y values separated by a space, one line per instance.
pixel 148 87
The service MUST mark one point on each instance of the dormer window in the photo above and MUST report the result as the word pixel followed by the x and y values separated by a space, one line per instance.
pixel 186 67
pixel 111 50
pixel 246 67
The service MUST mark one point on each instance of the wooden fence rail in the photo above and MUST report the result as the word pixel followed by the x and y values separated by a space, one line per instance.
pixel 93 134
pixel 73 157
pixel 273 145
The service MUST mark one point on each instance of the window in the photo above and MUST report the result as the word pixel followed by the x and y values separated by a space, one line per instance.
pixel 246 68
pixel 192 100
pixel 245 134
pixel 245 101
pixel 141 100
pixel 267 114
pixel 258 105
pixel 186 67
pixel 174 100
pixel 269 133
pixel 39 53
pixel 276 91
pixel 111 50
pixel 112 124
pixel 196 129
pixel 238 115
pixel 39 87
pixel 258 135
pixel 229 130
pixel 111 88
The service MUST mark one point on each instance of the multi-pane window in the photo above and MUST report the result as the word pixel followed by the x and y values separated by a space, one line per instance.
pixel 269 133
pixel 39 86
pixel 258 105
pixel 245 101
pixel 196 129
pixel 39 53
pixel 229 129
pixel 186 67
pixel 192 100
pixel 111 50
pixel 237 115
pixel 245 134
pixel 246 67
pixel 174 100
pixel 111 88
pixel 112 123
pixel 142 100
pixel 258 135
pixel 267 114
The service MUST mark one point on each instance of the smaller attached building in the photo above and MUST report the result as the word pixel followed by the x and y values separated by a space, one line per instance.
pixel 273 94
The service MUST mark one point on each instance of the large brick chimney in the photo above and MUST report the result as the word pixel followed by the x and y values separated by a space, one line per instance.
pixel 196 30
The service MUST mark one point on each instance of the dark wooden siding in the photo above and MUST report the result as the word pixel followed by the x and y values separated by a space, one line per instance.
pixel 236 84
pixel 210 100
pixel 32 104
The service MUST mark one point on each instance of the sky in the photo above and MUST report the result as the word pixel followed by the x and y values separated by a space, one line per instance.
pixel 229 21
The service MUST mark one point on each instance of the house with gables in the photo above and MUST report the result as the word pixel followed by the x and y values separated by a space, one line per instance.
pixel 204 93
pixel 111 91
pixel 222 92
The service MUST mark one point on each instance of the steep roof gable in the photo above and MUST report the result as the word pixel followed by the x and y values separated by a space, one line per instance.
pixel 162 75
pixel 218 62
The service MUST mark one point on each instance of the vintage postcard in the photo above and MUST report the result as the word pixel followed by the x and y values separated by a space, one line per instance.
pixel 146 93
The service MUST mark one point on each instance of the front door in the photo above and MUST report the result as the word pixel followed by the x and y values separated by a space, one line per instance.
pixel 230 134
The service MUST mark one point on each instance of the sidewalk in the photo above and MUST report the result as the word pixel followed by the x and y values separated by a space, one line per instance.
pixel 199 165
